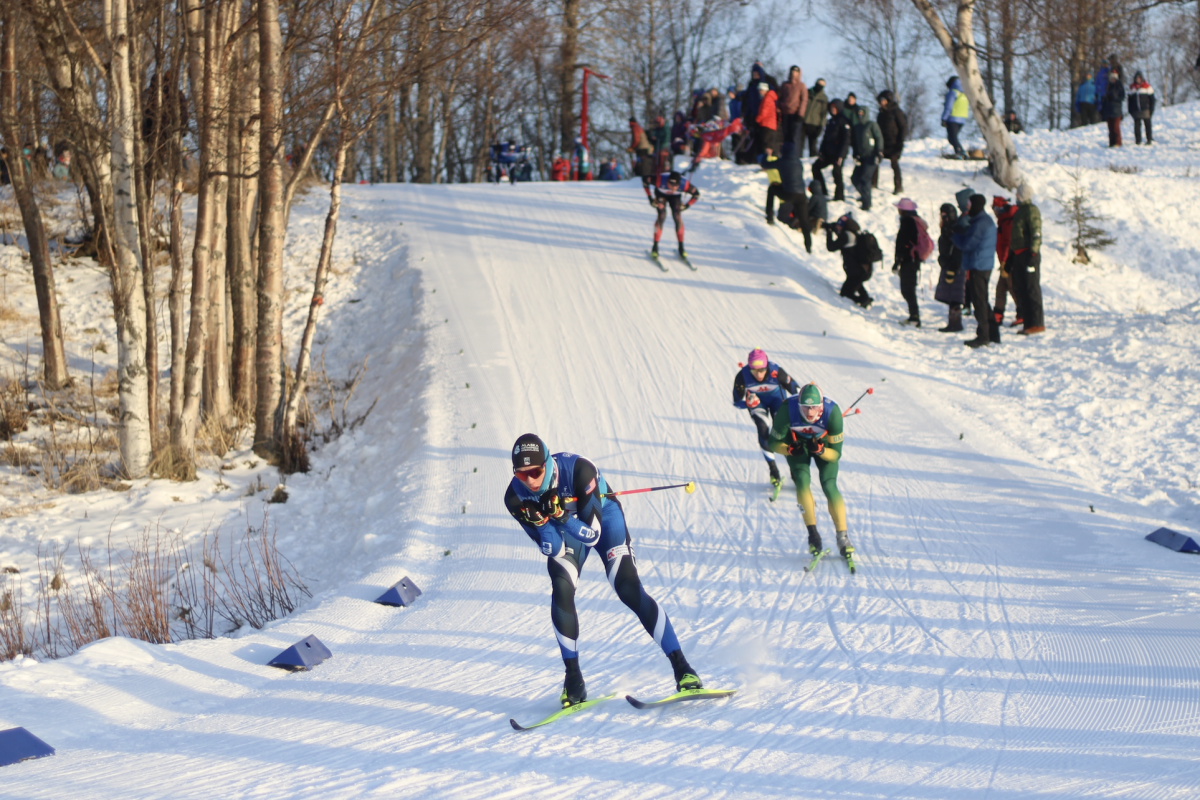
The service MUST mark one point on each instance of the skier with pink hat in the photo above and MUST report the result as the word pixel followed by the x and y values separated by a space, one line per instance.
pixel 761 386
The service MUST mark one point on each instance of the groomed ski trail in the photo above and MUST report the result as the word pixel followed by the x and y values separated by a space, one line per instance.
pixel 1000 641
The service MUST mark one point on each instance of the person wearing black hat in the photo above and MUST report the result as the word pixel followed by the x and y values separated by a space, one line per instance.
pixel 834 146
pixel 977 241
pixel 559 501
pixel 669 189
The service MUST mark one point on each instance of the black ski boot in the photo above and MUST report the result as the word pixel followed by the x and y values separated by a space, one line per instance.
pixel 685 676
pixel 814 540
pixel 776 478
pixel 574 691
pixel 682 252
pixel 654 251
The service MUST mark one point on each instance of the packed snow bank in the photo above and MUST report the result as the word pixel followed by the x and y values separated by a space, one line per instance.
pixel 1001 638
pixel 1108 393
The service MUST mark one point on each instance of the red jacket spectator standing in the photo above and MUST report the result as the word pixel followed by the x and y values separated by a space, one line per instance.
pixel 559 169
pixel 1004 212
pixel 766 120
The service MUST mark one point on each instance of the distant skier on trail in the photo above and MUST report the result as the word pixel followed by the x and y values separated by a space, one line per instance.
pixel 669 188
pixel 807 428
pixel 761 387
pixel 559 502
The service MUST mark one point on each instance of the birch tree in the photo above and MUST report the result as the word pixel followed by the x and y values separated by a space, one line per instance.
pixel 960 48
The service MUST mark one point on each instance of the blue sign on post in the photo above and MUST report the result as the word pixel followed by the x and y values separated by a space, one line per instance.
pixel 1175 541
pixel 304 654
pixel 401 594
pixel 18 744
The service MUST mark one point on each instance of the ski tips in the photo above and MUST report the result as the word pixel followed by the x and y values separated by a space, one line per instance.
pixel 514 724
pixel 689 487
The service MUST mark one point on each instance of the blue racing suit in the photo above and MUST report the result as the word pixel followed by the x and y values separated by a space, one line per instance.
pixel 771 391
pixel 591 522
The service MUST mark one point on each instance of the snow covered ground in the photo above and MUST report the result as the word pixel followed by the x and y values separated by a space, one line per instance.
pixel 1002 639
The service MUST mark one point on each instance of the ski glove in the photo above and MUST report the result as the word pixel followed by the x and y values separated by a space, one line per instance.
pixel 815 447
pixel 653 202
pixel 751 400
pixel 533 514
pixel 552 508
pixel 1035 261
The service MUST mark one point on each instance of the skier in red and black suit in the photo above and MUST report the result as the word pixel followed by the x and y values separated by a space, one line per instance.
pixel 669 188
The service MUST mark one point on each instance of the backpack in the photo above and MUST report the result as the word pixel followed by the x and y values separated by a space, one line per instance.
pixel 925 247
pixel 868 249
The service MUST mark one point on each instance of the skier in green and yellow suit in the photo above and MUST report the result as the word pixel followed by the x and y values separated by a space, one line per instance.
pixel 807 428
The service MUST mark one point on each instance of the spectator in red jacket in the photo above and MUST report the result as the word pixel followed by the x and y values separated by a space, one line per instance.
pixel 1004 212
pixel 767 120
pixel 559 168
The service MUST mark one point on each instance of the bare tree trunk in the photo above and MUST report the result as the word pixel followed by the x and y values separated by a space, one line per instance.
pixel 1002 154
pixel 54 360
pixel 145 162
pixel 218 400
pixel 310 325
pixel 175 292
pixel 271 229
pixel 128 298
pixel 243 197
pixel 567 56
pixel 391 166
pixel 423 155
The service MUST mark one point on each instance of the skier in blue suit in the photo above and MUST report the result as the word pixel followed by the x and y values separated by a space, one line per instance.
pixel 760 387
pixel 558 500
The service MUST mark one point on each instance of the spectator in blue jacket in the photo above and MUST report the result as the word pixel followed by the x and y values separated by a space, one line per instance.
pixel 977 241
pixel 1085 101
pixel 954 114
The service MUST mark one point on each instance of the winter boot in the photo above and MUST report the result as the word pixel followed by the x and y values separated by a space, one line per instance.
pixel 844 546
pixel 685 676
pixel 953 322
pixel 977 342
pixel 814 540
pixel 574 691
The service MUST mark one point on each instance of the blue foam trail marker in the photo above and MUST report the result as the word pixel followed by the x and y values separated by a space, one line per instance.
pixel 304 654
pixel 1175 541
pixel 401 594
pixel 18 744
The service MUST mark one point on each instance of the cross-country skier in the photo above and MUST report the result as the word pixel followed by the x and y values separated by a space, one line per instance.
pixel 559 502
pixel 761 387
pixel 669 188
pixel 808 427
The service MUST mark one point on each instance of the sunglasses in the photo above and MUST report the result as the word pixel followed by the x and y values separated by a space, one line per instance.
pixel 531 474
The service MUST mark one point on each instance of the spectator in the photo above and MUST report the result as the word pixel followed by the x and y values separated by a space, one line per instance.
pixel 1004 218
pixel 769 164
pixel 834 146
pixel 751 99
pixel 843 236
pixel 1101 84
pixel 734 93
pixel 1141 107
pixel 789 189
pixel 643 151
pixel 660 140
pixel 766 120
pixel 1114 107
pixel 963 198
pixel 1012 123
pixel 977 241
pixel 679 145
pixel 907 263
pixel 815 116
pixel 605 170
pixel 818 209
pixel 952 280
pixel 5 178
pixel 1085 101
pixel 62 161
pixel 1025 260
pixel 893 124
pixel 793 102
pixel 702 110
pixel 559 168
pixel 868 150
pixel 954 114
pixel 716 102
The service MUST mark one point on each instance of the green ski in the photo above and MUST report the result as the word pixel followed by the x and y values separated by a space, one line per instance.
pixel 817 560
pixel 850 562
pixel 775 487
pixel 679 697
pixel 566 712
